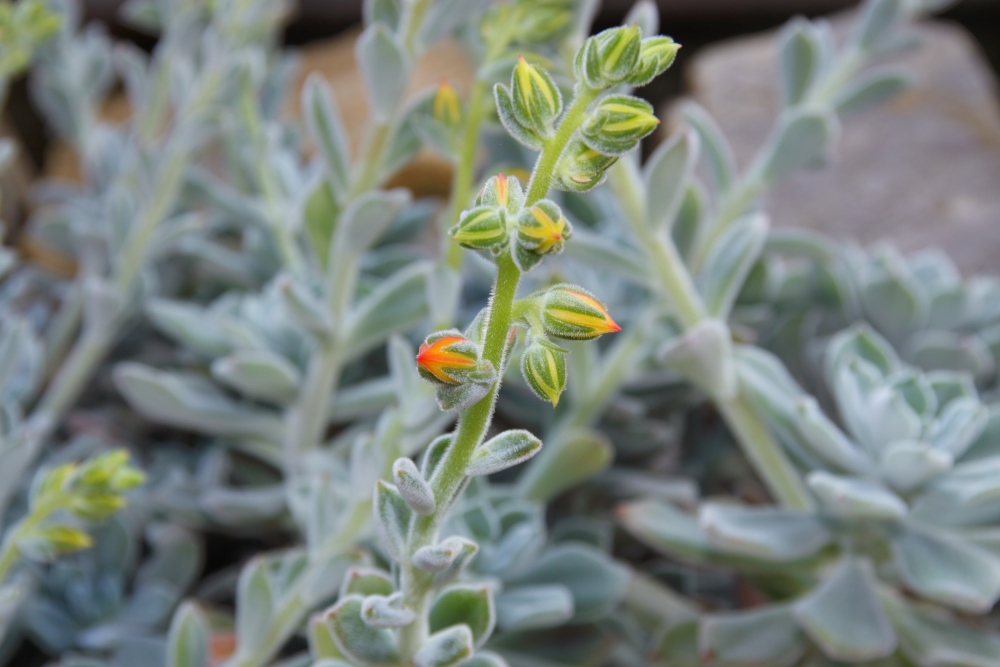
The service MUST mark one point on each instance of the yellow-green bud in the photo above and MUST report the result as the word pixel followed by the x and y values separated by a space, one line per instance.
pixel 96 506
pixel 447 108
pixel 543 366
pixel 542 230
pixel 609 57
pixel 502 192
pixel 537 100
pixel 58 540
pixel 618 124
pixel 582 168
pixel 656 55
pixel 569 311
pixel 482 228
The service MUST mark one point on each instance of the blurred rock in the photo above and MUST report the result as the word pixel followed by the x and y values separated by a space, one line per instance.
pixel 922 170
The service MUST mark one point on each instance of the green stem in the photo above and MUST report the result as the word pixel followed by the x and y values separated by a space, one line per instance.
pixel 368 174
pixel 678 290
pixel 541 177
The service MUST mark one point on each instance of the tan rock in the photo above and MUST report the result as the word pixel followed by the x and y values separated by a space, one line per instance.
pixel 922 170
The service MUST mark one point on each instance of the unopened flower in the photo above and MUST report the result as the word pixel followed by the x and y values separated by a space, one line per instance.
pixel 481 228
pixel 655 56
pixel 541 230
pixel 572 312
pixel 543 366
pixel 537 100
pixel 502 192
pixel 447 357
pixel 582 168
pixel 608 57
pixel 447 107
pixel 618 124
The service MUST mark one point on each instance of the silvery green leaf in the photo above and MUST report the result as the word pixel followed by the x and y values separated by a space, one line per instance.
pixel 447 648
pixel 367 218
pixel 458 397
pixel 863 343
pixel 801 55
pixel 908 465
pixel 959 425
pixel 718 154
pixel 533 607
pixel 392 517
pixel 445 555
pixel 503 451
pixel 508 118
pixel 468 604
pixel 365 581
pixel 694 207
pixel 599 252
pixel 855 498
pixel 327 130
pixel 320 584
pixel 571 460
pixel 804 137
pixel 844 616
pixel 321 644
pixel 255 600
pixel 259 374
pixel 382 11
pixel 946 350
pixel 894 304
pixel 704 356
pixel 729 263
pixel 399 302
pixel 413 487
pixel 878 19
pixel 486 659
pixel 871 89
pixel 380 611
pixel 358 641
pixel 972 483
pixel 224 198
pixel 385 68
pixel 102 302
pixel 770 533
pixel 940 566
pixel 190 325
pixel 667 175
pixel 433 455
pixel 595 580
pixel 187 401
pixel 931 638
pixel 188 639
pixel 824 439
pixel 243 506
pixel 767 635
pixel 443 18
pixel 303 306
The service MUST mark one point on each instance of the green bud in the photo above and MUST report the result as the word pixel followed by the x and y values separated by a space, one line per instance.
pixel 582 168
pixel 58 540
pixel 99 470
pixel 541 230
pixel 618 124
pixel 511 121
pixel 96 506
pixel 502 192
pixel 609 57
pixel 537 100
pixel 572 312
pixel 656 55
pixel 543 366
pixel 448 358
pixel 127 478
pixel 481 228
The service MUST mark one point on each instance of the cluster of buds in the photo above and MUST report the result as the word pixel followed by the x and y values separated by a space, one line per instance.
pixel 452 362
pixel 621 56
pixel 499 222
pixel 562 311
pixel 91 491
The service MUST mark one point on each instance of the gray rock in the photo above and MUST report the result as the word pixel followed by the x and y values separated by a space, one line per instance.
pixel 921 170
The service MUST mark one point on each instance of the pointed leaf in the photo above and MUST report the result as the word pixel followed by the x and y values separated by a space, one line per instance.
pixel 357 640
pixel 503 451
pixel 471 605
pixel 803 138
pixel 764 636
pixel 413 487
pixel 533 607
pixel 766 532
pixel 392 517
pixel 856 498
pixel 188 640
pixel 259 374
pixel 446 648
pixel 729 263
pixel 667 175
pixel 385 68
pixel 327 130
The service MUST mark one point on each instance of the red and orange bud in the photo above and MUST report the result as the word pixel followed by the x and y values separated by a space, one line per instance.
pixel 447 357
pixel 572 312
pixel 541 230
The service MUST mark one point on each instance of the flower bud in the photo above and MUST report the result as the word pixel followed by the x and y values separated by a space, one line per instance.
pixel 543 366
pixel 447 107
pixel 655 56
pixel 541 230
pixel 481 228
pixel 447 357
pixel 581 168
pixel 609 57
pixel 618 124
pixel 59 539
pixel 537 100
pixel 96 506
pixel 502 192
pixel 572 312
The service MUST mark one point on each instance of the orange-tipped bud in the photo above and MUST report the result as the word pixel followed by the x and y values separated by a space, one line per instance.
pixel 572 312
pixel 447 357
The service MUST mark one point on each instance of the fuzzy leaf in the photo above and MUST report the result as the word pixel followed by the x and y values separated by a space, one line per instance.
pixel 188 639
pixel 704 356
pixel 856 498
pixel 327 130
pixel 447 648
pixel 803 138
pixel 380 611
pixel 934 639
pixel 385 68
pixel 718 154
pixel 255 601
pixel 399 302
pixel 190 326
pixel 766 635
pixel 871 89
pixel 358 641
pixel 446 555
pixel 729 263
pixel 801 55
pixel 392 516
pixel 943 567
pixel 367 218
pixel 844 616
pixel 259 374
pixel 533 607
pixel 771 533
pixel 365 581
pixel 503 451
pixel 413 487
pixel 471 605
pixel 667 175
